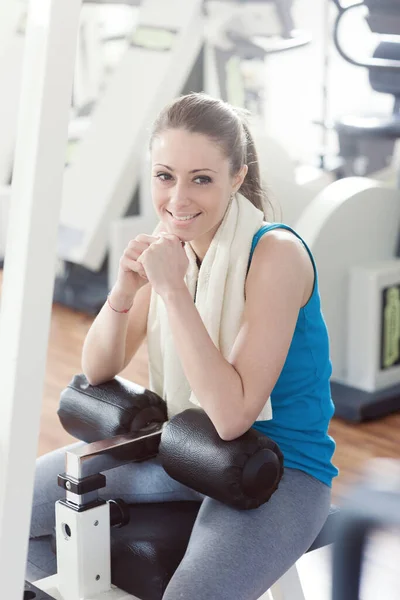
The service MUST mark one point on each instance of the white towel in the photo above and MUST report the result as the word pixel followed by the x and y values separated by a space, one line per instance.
pixel 218 289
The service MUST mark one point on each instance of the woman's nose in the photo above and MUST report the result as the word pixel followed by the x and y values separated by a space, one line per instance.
pixel 179 196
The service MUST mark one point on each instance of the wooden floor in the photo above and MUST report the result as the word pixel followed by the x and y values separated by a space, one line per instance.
pixel 356 443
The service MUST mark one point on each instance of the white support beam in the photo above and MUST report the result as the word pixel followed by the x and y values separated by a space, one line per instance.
pixel 30 265
pixel 11 53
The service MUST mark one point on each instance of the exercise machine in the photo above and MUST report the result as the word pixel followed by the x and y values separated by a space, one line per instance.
pixel 350 226
pixel 367 142
pixel 117 551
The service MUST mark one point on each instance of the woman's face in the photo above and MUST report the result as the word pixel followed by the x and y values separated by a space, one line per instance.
pixel 191 184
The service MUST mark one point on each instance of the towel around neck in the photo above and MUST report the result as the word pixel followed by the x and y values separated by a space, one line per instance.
pixel 218 290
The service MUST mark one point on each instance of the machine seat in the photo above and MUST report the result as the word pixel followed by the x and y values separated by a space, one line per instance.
pixel 146 552
pixel 387 126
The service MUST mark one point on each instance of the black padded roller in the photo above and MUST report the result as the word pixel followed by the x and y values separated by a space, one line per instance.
pixel 243 473
pixel 92 413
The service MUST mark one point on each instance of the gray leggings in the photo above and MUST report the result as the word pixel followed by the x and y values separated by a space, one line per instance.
pixel 231 553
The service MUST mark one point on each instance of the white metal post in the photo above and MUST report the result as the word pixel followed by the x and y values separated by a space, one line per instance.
pixel 83 551
pixel 30 266
pixel 12 44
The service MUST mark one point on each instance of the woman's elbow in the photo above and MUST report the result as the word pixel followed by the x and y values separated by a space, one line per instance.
pixel 232 431
pixel 91 376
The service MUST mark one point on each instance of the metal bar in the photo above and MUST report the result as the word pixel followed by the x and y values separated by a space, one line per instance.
pixel 30 265
pixel 107 454
pixel 382 63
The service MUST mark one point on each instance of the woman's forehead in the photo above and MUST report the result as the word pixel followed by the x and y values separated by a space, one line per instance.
pixel 186 150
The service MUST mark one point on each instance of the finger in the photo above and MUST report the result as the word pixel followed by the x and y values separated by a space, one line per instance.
pixel 129 264
pixel 159 229
pixel 146 239
pixel 141 244
pixel 172 237
pixel 135 251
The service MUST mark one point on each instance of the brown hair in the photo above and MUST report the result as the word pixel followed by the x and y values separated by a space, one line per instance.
pixel 227 126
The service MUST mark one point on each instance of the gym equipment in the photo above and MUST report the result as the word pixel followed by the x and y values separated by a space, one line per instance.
pixel 353 223
pixel 366 143
pixel 11 55
pixel 26 298
pixel 371 505
pixel 374 350
pixel 238 42
pixel 191 452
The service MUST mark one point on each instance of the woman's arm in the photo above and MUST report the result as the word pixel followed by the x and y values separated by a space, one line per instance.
pixel 233 392
pixel 114 338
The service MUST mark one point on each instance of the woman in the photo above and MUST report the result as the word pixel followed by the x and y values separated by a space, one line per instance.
pixel 262 362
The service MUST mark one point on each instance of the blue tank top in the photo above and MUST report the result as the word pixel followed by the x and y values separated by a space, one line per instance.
pixel 301 400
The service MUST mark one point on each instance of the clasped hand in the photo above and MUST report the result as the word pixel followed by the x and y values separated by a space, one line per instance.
pixel 165 263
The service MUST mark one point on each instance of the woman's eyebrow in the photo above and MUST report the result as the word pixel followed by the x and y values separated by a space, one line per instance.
pixel 192 171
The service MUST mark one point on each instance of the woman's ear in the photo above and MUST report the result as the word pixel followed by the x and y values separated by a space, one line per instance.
pixel 239 178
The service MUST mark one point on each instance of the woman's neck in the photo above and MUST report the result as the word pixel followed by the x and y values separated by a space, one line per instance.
pixel 201 244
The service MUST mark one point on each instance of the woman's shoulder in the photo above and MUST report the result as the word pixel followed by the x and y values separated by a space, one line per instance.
pixel 280 246
pixel 276 231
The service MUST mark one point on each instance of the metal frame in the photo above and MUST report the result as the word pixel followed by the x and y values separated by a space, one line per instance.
pixel 48 69
pixel 83 525
pixel 11 58
pixel 385 63
pixel 83 520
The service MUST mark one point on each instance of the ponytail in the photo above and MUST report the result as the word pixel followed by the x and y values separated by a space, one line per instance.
pixel 251 187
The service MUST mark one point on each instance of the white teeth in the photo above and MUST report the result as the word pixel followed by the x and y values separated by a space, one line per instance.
pixel 185 218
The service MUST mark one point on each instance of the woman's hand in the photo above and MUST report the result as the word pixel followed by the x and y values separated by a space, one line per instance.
pixel 131 274
pixel 165 263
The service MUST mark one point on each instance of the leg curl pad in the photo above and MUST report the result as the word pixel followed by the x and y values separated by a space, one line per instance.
pixel 91 413
pixel 243 473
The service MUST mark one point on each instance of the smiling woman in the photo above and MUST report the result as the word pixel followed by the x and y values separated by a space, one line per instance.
pixel 191 202
pixel 230 308
pixel 204 146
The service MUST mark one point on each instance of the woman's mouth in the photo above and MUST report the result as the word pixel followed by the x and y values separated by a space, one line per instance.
pixel 183 219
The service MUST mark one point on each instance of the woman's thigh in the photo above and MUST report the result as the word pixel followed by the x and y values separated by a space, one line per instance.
pixel 241 554
pixel 134 482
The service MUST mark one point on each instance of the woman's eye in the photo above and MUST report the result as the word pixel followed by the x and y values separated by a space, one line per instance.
pixel 163 176
pixel 203 179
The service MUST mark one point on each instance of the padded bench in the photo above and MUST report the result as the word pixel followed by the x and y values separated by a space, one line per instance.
pixel 147 549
